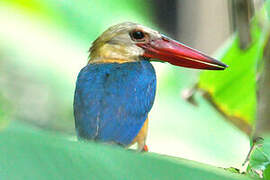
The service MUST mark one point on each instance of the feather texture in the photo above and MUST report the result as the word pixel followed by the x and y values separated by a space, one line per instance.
pixel 112 100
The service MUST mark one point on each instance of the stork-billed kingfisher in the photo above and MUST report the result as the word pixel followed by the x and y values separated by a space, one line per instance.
pixel 116 89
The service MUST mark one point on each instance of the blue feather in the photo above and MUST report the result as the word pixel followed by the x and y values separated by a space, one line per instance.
pixel 112 100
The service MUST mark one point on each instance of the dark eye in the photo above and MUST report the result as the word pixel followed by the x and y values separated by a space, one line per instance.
pixel 137 35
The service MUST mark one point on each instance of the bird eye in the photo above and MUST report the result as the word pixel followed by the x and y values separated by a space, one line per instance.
pixel 137 35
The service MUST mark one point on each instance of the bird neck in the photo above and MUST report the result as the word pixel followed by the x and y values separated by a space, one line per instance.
pixel 109 53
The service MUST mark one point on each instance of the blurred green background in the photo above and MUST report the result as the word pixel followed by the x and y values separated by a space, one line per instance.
pixel 44 44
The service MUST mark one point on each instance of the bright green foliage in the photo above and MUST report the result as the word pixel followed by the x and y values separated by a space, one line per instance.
pixel 260 158
pixel 233 91
pixel 27 153
pixel 266 173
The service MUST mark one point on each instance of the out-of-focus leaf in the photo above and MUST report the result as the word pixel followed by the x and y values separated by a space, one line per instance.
pixel 4 112
pixel 259 162
pixel 28 153
pixel 84 19
pixel 266 173
pixel 40 62
pixel 267 9
pixel 233 91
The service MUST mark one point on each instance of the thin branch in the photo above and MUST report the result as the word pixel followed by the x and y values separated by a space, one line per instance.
pixel 263 113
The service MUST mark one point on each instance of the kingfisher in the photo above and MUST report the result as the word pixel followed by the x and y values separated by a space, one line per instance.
pixel 115 91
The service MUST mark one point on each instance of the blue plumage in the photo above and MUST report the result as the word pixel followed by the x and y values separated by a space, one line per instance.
pixel 112 100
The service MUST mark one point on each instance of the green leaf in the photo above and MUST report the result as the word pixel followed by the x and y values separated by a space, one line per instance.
pixel 233 91
pixel 266 173
pixel 260 158
pixel 28 153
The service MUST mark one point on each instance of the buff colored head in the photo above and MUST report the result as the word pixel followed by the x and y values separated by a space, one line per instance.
pixel 129 42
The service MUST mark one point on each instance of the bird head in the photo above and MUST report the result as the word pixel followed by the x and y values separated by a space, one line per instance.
pixel 130 42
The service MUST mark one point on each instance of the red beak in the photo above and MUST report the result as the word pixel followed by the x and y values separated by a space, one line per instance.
pixel 179 54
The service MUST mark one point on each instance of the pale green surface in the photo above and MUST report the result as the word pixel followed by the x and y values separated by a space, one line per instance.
pixel 27 153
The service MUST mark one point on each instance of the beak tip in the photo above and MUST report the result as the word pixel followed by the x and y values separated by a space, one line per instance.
pixel 225 66
pixel 179 54
pixel 220 65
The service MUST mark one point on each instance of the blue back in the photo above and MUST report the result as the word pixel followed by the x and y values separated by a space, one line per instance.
pixel 112 100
